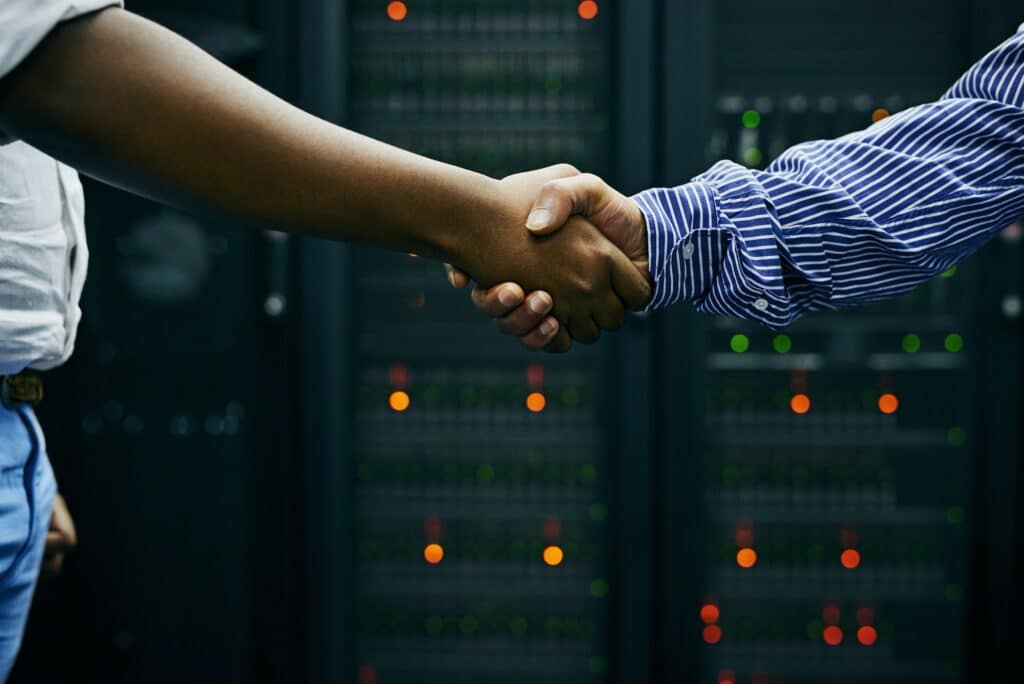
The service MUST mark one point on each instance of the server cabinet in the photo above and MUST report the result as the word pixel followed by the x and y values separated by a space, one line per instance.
pixel 478 499
pixel 825 509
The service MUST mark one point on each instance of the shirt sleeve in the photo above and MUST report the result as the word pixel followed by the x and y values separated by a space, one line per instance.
pixel 832 224
pixel 24 24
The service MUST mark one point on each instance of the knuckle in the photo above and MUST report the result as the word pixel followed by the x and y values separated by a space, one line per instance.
pixel 566 169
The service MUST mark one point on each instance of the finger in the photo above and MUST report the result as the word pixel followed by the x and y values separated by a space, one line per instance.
pixel 526 317
pixel 541 336
pixel 561 344
pixel 55 541
pixel 611 315
pixel 584 330
pixel 559 199
pixel 499 300
pixel 456 278
pixel 631 284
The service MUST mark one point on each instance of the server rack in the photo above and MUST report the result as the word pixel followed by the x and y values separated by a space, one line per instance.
pixel 491 529
pixel 824 504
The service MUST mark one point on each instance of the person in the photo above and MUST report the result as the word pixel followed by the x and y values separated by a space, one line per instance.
pixel 828 225
pixel 126 101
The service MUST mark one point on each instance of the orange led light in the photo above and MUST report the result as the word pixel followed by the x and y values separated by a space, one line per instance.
pixel 553 555
pixel 712 634
pixel 433 553
pixel 536 402
pixel 850 558
pixel 867 635
pixel 397 11
pixel 587 9
pixel 888 403
pixel 746 558
pixel 800 403
pixel 709 613
pixel 879 114
pixel 832 635
pixel 398 401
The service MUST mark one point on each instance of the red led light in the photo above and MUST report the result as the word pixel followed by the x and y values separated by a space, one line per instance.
pixel 709 613
pixel 535 375
pixel 850 558
pixel 552 529
pixel 398 375
pixel 867 635
pixel 830 614
pixel 865 615
pixel 744 533
pixel 832 635
pixel 432 527
pixel 587 9
pixel 397 11
pixel 800 404
pixel 367 674
pixel 712 634
pixel 726 677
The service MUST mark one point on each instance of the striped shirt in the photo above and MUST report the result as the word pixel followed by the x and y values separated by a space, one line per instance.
pixel 832 224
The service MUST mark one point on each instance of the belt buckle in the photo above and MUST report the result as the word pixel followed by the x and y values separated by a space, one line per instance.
pixel 23 388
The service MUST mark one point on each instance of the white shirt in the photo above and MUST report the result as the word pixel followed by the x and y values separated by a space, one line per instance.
pixel 43 253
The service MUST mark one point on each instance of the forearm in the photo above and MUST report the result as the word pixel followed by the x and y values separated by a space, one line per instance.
pixel 133 104
pixel 836 223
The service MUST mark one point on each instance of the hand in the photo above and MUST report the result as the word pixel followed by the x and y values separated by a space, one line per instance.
pixel 618 217
pixel 60 538
pixel 592 281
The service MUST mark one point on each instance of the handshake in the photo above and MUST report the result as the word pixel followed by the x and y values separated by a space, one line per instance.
pixel 582 253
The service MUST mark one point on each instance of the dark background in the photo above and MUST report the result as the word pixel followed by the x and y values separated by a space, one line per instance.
pixel 251 510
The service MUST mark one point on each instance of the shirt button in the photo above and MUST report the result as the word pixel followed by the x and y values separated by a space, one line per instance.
pixel 761 304
pixel 688 251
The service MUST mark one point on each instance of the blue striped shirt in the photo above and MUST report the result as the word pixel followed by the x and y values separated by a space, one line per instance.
pixel 836 223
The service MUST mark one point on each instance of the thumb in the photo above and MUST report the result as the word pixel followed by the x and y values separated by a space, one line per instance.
pixel 558 200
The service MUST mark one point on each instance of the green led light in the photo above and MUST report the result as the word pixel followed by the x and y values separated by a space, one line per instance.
pixel 954 342
pixel 598 665
pixel 518 626
pixel 599 588
pixel 752 156
pixel 782 344
pixel 434 624
pixel 956 515
pixel 751 118
pixel 588 474
pixel 484 474
pixel 954 592
pixel 956 436
pixel 911 343
pixel 949 273
pixel 739 343
pixel 598 512
pixel 814 629
pixel 468 624
pixel 570 396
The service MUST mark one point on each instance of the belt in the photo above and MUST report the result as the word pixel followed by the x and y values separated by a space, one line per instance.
pixel 24 388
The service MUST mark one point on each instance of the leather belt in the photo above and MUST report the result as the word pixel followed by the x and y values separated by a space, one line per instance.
pixel 24 388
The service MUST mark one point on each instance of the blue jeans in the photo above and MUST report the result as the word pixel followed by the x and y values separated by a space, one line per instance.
pixel 27 488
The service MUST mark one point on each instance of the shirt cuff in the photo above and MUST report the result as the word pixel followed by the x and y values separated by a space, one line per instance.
pixel 684 241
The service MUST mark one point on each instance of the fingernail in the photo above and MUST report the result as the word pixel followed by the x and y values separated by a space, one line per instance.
pixel 451 278
pixel 548 327
pixel 539 304
pixel 507 297
pixel 538 218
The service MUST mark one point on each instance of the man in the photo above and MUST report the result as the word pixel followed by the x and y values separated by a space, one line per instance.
pixel 829 224
pixel 137 106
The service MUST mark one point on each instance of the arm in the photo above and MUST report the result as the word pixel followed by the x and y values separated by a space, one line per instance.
pixel 832 224
pixel 133 104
